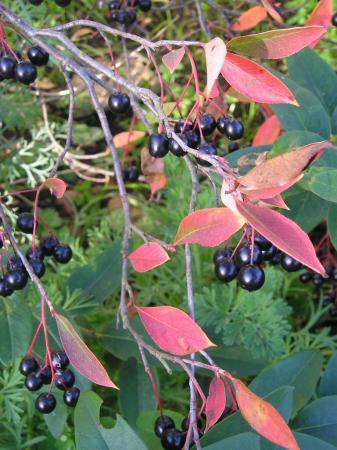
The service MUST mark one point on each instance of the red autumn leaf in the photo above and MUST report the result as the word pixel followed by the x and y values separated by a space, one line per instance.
pixel 321 15
pixel 56 186
pixel 173 330
pixel 153 171
pixel 215 51
pixel 80 356
pixel 208 227
pixel 216 402
pixel 254 81
pixel 173 58
pixel 282 232
pixel 148 256
pixel 268 132
pixel 127 137
pixel 250 18
pixel 276 202
pixel 264 418
pixel 268 5
pixel 283 169
pixel 268 192
pixel 276 44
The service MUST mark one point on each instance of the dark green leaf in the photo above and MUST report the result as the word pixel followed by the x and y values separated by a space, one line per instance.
pixel 301 371
pixel 292 140
pixel 322 181
pixel 307 442
pixel 332 224
pixel 328 384
pixel 241 441
pixel 319 419
pixel 57 419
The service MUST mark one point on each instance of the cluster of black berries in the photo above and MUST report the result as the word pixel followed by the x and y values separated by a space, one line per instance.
pixel 23 71
pixel 17 277
pixel 62 3
pixel 171 438
pixel 37 376
pixel 124 11
pixel 159 145
pixel 245 264
pixel 334 20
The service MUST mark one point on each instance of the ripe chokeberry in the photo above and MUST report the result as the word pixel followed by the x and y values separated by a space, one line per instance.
pixel 317 279
pixel 262 242
pixel 71 396
pixel 5 289
pixel 34 253
pixel 124 17
pixel 16 264
pixel 45 403
pixel 173 439
pixel 17 279
pixel 175 148
pixel 276 259
pixel 270 253
pixel 226 271
pixel 119 103
pixel 162 424
pixel 114 4
pixel 59 359
pixel 132 174
pixel 251 277
pixel 290 264
pixel 25 72
pixel 233 146
pixel 193 139
pixel 234 130
pixel 28 365
pixel 182 127
pixel 144 5
pixel 63 3
pixel 158 145
pixel 7 67
pixel 33 382
pixel 38 267
pixel 207 124
pixel 48 245
pixel 62 253
pixel 206 149
pixel 305 277
pixel 46 374
pixel 221 255
pixel 244 255
pixel 186 422
pixel 38 56
pixel 65 380
pixel 222 123
pixel 334 20
pixel 25 223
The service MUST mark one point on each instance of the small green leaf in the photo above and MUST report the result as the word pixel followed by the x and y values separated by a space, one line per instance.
pixel 239 442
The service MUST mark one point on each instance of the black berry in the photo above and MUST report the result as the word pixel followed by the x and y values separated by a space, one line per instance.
pixel 38 56
pixel 132 174
pixel 162 424
pixel 144 5
pixel 290 264
pixel 173 439
pixel 25 72
pixel 28 365
pixel 233 146
pixel 35 253
pixel 221 255
pixel 16 264
pixel 38 267
pixel 234 129
pixel 317 279
pixel 33 382
pixel 63 3
pixel 71 396
pixel 222 124
pixel 114 4
pixel 119 103
pixel 17 279
pixel 48 245
pixel 62 253
pixel 206 149
pixel 182 127
pixel 334 20
pixel 45 403
pixel 207 124
pixel 65 380
pixel 262 242
pixel 59 359
pixel 193 139
pixel 251 277
pixel 175 147
pixel 270 253
pixel 46 375
pixel 276 259
pixel 5 289
pixel 124 17
pixel 7 67
pixel 158 145
pixel 243 255
pixel 25 222
pixel 186 422
pixel 306 277
pixel 226 271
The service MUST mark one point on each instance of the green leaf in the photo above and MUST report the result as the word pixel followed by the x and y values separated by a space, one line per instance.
pixel 309 70
pixel 90 434
pixel 301 371
pixel 332 224
pixel 16 327
pixel 307 442
pixel 136 393
pixel 101 278
pixel 145 426
pixel 241 441
pixel 328 385
pixel 319 419
pixel 334 121
pixel 322 181
pixel 309 116
pixel 281 399
pixel 56 420
pixel 291 140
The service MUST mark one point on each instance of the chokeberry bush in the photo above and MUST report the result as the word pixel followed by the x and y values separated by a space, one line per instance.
pixel 168 225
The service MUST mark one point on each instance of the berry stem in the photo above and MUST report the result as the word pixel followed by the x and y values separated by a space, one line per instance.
pixel 36 334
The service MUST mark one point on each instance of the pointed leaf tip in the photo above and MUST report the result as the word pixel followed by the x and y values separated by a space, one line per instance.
pixel 216 402
pixel 215 51
pixel 148 256
pixel 56 186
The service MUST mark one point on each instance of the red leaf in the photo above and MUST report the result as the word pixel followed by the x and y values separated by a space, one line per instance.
pixel 173 330
pixel 250 18
pixel 215 51
pixel 153 171
pixel 272 11
pixel 148 256
pixel 282 232
pixel 80 356
pixel 264 418
pixel 216 402
pixel 268 192
pixel 321 15
pixel 127 137
pixel 276 202
pixel 276 44
pixel 173 58
pixel 56 186
pixel 208 227
pixel 268 132
pixel 254 81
